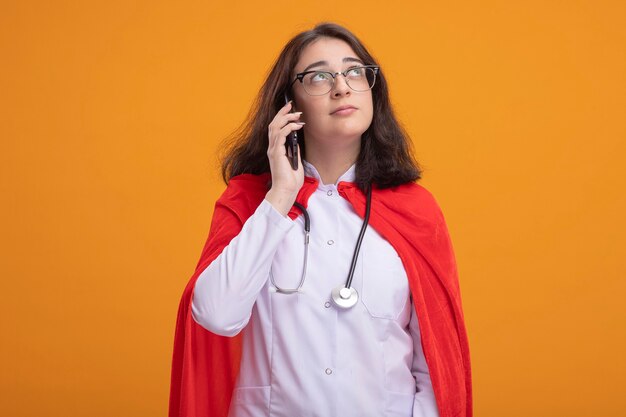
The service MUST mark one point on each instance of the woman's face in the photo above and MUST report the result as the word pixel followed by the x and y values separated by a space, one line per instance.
pixel 323 124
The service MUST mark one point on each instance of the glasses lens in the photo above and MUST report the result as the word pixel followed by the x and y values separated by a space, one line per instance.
pixel 318 83
pixel 357 78
pixel 360 78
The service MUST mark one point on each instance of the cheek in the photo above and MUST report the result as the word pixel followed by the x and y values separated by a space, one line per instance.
pixel 311 115
pixel 371 110
pixel 368 111
pixel 299 100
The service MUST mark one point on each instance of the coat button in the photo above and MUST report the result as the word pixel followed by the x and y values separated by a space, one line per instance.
pixel 328 371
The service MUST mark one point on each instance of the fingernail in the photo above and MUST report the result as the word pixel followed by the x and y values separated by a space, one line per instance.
pixel 301 123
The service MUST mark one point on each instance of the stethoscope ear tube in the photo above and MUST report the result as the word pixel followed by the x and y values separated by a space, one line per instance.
pixel 307 220
pixel 345 296
pixel 357 249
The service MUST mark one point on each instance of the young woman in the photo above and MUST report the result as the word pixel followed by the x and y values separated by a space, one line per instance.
pixel 328 285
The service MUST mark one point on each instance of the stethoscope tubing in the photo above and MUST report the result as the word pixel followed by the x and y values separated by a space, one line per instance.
pixel 343 296
pixel 357 249
pixel 307 231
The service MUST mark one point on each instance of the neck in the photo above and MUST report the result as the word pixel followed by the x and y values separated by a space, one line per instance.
pixel 331 164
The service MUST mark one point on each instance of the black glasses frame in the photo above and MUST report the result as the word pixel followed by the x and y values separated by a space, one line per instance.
pixel 300 77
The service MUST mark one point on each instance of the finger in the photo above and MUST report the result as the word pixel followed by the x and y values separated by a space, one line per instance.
pixel 275 128
pixel 286 108
pixel 281 137
pixel 290 117
pixel 289 127
pixel 281 119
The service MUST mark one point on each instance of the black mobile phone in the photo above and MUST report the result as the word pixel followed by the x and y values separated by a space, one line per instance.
pixel 291 144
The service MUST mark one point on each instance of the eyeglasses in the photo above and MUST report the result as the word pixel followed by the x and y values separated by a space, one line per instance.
pixel 318 83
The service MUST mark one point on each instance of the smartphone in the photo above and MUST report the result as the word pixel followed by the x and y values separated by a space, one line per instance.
pixel 291 144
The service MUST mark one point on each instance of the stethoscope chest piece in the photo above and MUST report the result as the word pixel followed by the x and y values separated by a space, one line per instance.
pixel 344 297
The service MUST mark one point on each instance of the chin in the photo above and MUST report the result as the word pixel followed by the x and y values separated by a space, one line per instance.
pixel 350 128
pixel 345 133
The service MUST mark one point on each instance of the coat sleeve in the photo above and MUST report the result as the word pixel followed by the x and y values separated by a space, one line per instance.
pixel 227 289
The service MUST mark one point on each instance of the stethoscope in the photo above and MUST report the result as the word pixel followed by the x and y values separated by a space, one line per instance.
pixel 344 296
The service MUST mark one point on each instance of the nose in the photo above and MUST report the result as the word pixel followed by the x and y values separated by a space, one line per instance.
pixel 340 86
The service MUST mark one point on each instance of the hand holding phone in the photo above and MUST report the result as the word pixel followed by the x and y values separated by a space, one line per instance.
pixel 283 144
pixel 291 144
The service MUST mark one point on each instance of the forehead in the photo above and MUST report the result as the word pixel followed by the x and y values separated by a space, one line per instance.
pixel 330 50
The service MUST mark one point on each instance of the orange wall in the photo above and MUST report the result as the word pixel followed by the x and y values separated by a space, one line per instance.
pixel 111 113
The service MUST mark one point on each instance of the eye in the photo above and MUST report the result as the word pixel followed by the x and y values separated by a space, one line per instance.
pixel 319 76
pixel 355 72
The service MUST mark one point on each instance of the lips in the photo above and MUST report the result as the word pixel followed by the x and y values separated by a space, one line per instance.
pixel 340 108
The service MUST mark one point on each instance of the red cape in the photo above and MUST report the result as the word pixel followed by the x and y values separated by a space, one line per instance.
pixel 205 365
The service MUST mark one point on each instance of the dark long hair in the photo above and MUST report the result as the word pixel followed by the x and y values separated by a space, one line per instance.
pixel 385 157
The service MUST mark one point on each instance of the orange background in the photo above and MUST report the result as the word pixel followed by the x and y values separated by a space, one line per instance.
pixel 111 114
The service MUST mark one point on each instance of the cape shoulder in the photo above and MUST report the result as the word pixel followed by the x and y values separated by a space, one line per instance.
pixel 417 199
pixel 246 191
pixel 410 201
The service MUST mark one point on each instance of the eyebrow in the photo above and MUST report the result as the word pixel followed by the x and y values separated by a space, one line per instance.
pixel 321 63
